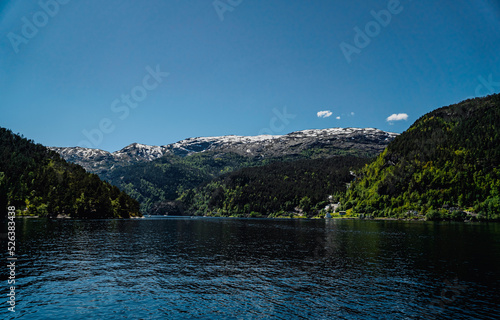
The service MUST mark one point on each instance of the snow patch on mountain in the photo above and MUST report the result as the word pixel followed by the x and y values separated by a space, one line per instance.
pixel 261 145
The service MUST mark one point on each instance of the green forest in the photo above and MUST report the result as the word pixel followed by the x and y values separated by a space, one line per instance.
pixel 282 189
pixel 157 184
pixel 445 166
pixel 39 182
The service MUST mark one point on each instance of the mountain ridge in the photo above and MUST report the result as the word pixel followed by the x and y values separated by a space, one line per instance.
pixel 368 140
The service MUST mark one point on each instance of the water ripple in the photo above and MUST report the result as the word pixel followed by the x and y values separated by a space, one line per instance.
pixel 256 269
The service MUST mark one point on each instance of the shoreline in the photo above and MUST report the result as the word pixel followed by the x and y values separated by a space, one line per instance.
pixel 65 217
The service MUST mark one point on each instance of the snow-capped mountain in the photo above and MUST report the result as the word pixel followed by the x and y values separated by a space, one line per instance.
pixel 368 141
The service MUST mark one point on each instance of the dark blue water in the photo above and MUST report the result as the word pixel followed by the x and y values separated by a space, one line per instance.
pixel 210 268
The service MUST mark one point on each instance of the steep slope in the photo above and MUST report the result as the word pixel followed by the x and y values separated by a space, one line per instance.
pixel 278 189
pixel 158 183
pixel 38 181
pixel 445 163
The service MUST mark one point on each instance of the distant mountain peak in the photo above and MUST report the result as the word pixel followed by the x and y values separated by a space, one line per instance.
pixel 368 140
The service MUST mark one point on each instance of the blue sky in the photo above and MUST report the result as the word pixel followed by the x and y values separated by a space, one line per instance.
pixel 94 73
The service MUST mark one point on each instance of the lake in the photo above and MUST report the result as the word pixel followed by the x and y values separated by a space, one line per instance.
pixel 223 268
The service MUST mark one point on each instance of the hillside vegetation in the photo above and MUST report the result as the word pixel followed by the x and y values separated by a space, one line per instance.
pixel 444 165
pixel 157 175
pixel 158 183
pixel 291 188
pixel 38 181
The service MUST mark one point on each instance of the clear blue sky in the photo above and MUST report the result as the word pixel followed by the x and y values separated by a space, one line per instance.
pixel 232 69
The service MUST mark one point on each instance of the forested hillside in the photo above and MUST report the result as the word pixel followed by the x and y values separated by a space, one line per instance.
pixel 158 183
pixel 157 175
pixel 444 165
pixel 38 181
pixel 277 189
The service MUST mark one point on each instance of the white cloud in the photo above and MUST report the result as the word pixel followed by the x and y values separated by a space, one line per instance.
pixel 397 117
pixel 338 118
pixel 324 114
pixel 352 114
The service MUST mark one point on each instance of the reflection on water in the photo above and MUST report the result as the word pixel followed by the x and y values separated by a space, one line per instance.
pixel 241 268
